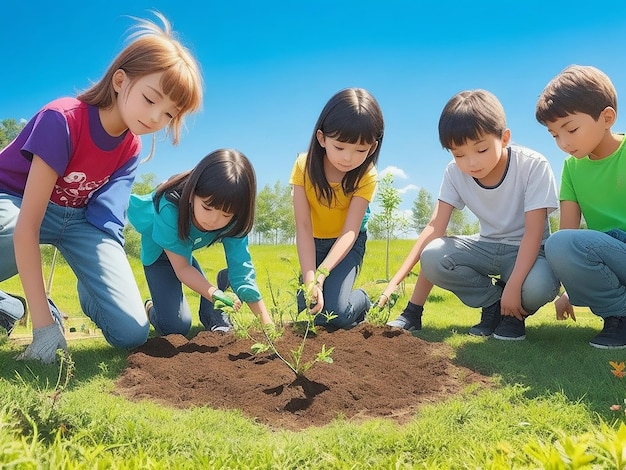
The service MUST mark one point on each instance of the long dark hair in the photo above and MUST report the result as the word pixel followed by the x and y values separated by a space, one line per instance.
pixel 226 181
pixel 352 116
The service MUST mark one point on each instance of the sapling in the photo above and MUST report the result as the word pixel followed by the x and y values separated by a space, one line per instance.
pixel 271 333
pixel 379 316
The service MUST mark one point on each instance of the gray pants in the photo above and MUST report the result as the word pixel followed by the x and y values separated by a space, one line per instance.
pixel 466 266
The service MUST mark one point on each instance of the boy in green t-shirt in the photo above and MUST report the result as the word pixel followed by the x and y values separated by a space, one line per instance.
pixel 579 107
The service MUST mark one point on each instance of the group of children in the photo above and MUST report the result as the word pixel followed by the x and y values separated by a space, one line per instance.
pixel 66 181
pixel 513 266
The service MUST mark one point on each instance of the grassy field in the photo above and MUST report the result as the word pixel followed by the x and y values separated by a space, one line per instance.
pixel 551 408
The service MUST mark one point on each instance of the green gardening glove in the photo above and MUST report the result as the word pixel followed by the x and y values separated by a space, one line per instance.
pixel 45 343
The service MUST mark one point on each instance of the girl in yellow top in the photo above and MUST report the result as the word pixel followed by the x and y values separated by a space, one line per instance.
pixel 333 184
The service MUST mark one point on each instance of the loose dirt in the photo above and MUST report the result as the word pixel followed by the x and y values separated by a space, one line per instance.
pixel 376 372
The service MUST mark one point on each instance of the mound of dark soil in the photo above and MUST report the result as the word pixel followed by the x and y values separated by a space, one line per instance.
pixel 377 372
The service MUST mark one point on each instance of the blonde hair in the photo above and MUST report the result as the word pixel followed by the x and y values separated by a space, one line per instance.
pixel 154 49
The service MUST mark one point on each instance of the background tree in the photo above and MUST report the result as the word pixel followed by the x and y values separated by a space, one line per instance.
pixel 9 128
pixel 375 228
pixel 462 223
pixel 422 210
pixel 390 220
pixel 132 239
pixel 274 220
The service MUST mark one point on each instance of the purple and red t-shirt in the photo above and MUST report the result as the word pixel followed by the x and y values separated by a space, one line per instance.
pixel 96 170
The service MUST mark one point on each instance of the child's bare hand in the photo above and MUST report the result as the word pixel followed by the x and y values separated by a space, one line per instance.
pixel 563 308
pixel 511 303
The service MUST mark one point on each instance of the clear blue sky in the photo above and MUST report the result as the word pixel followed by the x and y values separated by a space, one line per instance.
pixel 270 66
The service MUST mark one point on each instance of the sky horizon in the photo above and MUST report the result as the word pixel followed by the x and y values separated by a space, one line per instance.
pixel 270 67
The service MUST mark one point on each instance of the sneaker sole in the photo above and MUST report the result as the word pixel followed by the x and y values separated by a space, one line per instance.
pixel 221 329
pixel 479 335
pixel 606 346
pixel 509 338
pixel 412 328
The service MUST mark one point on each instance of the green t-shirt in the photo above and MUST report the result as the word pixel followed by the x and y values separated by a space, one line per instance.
pixel 599 188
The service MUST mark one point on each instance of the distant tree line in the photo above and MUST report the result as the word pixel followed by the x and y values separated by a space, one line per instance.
pixel 9 128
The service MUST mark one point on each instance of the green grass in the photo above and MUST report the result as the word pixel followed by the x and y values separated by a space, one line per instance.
pixel 550 409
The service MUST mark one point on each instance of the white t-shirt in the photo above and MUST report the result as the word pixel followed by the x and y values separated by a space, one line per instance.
pixel 528 184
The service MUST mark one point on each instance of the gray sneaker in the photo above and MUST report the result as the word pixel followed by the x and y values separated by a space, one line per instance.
pixel 12 308
pixel 407 321
pixel 216 320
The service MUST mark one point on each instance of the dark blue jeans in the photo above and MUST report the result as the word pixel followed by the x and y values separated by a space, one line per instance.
pixel 170 313
pixel 339 297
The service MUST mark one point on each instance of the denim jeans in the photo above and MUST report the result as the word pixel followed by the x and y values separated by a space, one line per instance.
pixel 465 266
pixel 171 313
pixel 592 267
pixel 339 297
pixel 107 289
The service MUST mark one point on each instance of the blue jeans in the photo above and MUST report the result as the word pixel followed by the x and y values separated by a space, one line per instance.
pixel 171 313
pixel 592 267
pixel 11 306
pixel 465 266
pixel 107 289
pixel 339 298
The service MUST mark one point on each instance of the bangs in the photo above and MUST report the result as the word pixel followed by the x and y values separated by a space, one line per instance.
pixel 550 110
pixel 179 83
pixel 469 115
pixel 352 126
pixel 226 195
pixel 458 128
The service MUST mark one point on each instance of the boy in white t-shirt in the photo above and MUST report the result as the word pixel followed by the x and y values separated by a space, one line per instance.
pixel 511 190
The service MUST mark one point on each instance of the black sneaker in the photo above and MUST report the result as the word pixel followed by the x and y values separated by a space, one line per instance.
pixel 222 280
pixel 510 329
pixel 489 320
pixel 612 336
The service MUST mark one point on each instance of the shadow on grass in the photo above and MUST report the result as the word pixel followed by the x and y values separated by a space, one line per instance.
pixel 554 358
pixel 92 359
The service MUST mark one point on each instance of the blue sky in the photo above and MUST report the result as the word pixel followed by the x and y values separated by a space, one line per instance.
pixel 270 66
